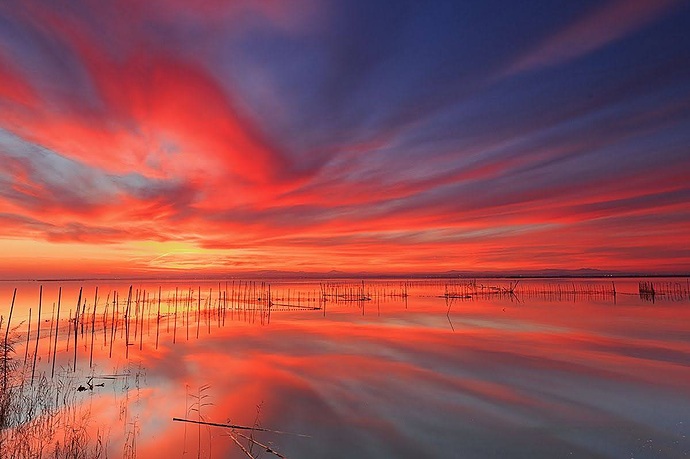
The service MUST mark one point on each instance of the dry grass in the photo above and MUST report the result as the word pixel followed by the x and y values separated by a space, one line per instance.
pixel 42 419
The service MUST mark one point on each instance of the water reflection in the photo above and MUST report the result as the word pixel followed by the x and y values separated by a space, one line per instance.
pixel 387 375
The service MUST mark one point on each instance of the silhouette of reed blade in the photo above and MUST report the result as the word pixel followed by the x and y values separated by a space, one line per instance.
pixel 42 419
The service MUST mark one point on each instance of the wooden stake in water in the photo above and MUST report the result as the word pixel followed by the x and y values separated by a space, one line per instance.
pixel 198 313
pixel 28 333
pixel 220 304
pixel 76 321
pixel 83 313
pixel 189 306
pixel 113 323
pixel 167 319
pixel 158 316
pixel 225 302
pixel 147 313
pixel 5 347
pixel 141 331
pixel 38 332
pixel 127 314
pixel 69 330
pixel 175 319
pixel 269 303
pixel 244 301
pixel 104 320
pixel 136 315
pixel 50 336
pixel 208 310
pixel 57 327
pixel 93 326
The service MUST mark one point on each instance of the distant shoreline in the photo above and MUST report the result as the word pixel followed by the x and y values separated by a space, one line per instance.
pixel 315 277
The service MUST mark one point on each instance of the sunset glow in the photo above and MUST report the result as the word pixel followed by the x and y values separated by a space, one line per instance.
pixel 168 137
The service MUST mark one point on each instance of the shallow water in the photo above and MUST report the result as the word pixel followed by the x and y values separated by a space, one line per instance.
pixel 543 372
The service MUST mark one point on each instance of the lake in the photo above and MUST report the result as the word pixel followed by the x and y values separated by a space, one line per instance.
pixel 381 368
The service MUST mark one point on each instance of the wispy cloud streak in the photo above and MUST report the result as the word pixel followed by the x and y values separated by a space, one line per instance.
pixel 251 135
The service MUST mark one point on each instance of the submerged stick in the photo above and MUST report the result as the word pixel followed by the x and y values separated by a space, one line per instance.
pixel 241 446
pixel 238 427
pixel 266 448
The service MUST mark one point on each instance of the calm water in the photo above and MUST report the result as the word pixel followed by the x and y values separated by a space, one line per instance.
pixel 541 373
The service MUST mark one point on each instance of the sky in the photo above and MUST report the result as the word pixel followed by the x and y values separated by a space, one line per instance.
pixel 226 136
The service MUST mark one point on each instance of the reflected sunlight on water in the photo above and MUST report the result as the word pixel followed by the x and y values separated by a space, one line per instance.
pixel 382 369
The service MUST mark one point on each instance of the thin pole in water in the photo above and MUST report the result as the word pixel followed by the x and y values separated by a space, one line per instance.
pixel 57 327
pixel 198 313
pixel 93 326
pixel 175 319
pixel 158 316
pixel 5 348
pixel 50 336
pixel 225 302
pixel 38 333
pixel 189 306
pixel 76 321
pixel 269 303
pixel 127 314
pixel 28 333
pixel 113 323
pixel 136 315
pixel 69 329
pixel 105 320
pixel 141 328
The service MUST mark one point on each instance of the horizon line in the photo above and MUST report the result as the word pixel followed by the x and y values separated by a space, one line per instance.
pixel 582 273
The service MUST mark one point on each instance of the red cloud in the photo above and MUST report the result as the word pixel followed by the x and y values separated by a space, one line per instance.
pixel 603 26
